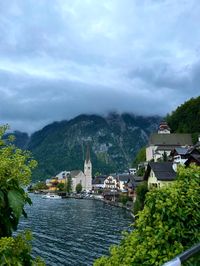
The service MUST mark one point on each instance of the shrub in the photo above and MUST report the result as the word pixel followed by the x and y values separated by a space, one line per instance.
pixel 168 225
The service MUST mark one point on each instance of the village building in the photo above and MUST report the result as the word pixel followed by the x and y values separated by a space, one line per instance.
pixel 98 183
pixel 110 183
pixel 162 143
pixel 181 155
pixel 159 174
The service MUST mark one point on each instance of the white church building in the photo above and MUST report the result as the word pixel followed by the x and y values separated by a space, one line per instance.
pixel 78 176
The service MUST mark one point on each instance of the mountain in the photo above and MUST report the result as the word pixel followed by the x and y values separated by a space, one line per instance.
pixel 114 141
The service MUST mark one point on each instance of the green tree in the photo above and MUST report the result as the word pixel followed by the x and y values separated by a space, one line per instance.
pixel 78 188
pixel 141 191
pixel 15 171
pixel 168 225
pixel 186 118
pixel 61 186
pixel 69 184
pixel 140 157
pixel 38 186
pixel 141 171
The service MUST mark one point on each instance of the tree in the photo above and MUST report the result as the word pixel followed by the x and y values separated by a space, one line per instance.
pixel 78 188
pixel 38 186
pixel 140 157
pixel 61 186
pixel 168 225
pixel 141 191
pixel 69 184
pixel 186 118
pixel 15 171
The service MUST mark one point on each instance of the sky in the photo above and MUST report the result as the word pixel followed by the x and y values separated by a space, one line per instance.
pixel 62 58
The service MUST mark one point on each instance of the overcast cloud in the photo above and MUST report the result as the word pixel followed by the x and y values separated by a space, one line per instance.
pixel 61 58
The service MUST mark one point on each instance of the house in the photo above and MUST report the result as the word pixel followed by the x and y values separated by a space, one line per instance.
pixel 123 180
pixel 132 171
pixel 98 183
pixel 159 174
pixel 110 183
pixel 181 155
pixel 163 142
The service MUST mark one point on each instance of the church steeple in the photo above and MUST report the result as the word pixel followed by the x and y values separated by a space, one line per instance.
pixel 87 159
pixel 88 169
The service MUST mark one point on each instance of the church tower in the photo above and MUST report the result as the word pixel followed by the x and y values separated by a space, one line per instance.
pixel 88 170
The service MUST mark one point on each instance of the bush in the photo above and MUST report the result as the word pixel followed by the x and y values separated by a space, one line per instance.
pixel 124 199
pixel 15 171
pixel 78 188
pixel 141 191
pixel 168 225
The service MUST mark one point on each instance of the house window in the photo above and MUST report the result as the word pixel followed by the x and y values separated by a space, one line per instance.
pixel 153 185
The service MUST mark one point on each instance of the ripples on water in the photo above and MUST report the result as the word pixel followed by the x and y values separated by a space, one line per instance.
pixel 73 231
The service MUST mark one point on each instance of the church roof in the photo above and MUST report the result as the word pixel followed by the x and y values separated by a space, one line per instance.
pixel 170 139
pixel 74 173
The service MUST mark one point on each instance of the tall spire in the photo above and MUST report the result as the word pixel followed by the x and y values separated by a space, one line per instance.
pixel 87 159
pixel 88 170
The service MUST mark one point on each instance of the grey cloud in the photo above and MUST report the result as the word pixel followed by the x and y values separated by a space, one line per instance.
pixel 62 58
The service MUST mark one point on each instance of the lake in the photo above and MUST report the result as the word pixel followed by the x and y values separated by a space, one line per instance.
pixel 73 231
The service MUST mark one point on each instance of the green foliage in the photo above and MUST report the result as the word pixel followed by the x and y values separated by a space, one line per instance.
pixel 168 225
pixel 186 118
pixel 15 170
pixel 141 191
pixel 140 157
pixel 16 251
pixel 61 186
pixel 38 186
pixel 78 188
pixel 124 199
pixel 69 184
pixel 141 171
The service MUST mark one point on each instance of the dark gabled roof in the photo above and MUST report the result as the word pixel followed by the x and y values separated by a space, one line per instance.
pixel 193 151
pixel 193 158
pixel 125 177
pixel 170 139
pixel 162 170
pixel 74 173
pixel 181 151
pixel 98 180
pixel 138 178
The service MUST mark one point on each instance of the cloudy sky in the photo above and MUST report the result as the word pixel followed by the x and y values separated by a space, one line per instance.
pixel 61 58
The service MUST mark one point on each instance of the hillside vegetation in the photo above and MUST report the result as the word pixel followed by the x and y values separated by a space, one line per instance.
pixel 186 118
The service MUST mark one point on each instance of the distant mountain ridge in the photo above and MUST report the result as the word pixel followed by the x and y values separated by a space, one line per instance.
pixel 114 141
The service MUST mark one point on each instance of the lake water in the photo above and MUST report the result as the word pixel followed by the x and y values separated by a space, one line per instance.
pixel 73 231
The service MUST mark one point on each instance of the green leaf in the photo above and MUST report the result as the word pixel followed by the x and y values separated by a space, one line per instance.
pixel 16 202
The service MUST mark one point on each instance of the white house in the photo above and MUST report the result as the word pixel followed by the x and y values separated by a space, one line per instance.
pixel 110 182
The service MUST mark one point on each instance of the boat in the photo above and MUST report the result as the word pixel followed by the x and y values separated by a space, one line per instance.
pixel 51 196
